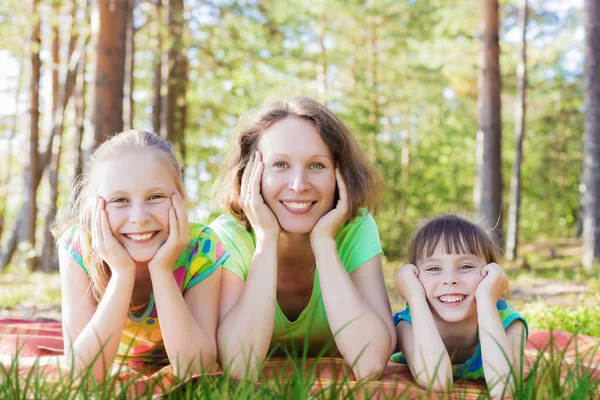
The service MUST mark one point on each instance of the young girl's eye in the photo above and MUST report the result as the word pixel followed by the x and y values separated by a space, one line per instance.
pixel 433 269
pixel 466 266
pixel 317 166
pixel 279 164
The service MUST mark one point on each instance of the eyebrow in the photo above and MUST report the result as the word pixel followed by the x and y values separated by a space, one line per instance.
pixel 150 190
pixel 278 155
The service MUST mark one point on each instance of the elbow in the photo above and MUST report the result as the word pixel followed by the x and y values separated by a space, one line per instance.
pixel 369 369
pixel 436 386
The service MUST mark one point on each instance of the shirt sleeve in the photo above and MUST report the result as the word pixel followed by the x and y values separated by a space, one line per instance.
pixel 205 254
pixel 359 242
pixel 70 242
pixel 238 242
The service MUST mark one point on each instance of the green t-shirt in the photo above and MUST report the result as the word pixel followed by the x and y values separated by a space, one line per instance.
pixel 357 242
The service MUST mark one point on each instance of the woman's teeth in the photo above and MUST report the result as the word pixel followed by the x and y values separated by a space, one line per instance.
pixel 297 206
pixel 452 298
pixel 140 237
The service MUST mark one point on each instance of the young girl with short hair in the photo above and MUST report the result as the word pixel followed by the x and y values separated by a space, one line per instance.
pixel 139 283
pixel 456 323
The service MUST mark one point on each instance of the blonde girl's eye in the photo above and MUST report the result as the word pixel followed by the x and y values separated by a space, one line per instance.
pixel 156 197
pixel 120 200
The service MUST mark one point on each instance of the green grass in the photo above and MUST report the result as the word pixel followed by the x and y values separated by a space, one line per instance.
pixel 543 382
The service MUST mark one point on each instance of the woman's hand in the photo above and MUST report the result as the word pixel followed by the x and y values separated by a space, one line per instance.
pixel 106 245
pixel 330 223
pixel 179 236
pixel 261 217
pixel 493 285
pixel 408 284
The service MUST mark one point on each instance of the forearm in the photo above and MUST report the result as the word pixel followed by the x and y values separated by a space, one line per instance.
pixel 244 334
pixel 498 363
pixel 190 348
pixel 97 344
pixel 360 334
pixel 430 363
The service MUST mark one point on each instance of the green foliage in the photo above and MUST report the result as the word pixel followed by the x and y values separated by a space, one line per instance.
pixel 583 318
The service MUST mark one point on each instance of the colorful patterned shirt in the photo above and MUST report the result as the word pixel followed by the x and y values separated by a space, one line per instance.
pixel 473 367
pixel 142 340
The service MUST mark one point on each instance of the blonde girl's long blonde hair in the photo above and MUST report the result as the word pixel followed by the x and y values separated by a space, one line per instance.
pixel 83 198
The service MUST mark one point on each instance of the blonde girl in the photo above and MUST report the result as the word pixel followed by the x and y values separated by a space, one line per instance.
pixel 139 283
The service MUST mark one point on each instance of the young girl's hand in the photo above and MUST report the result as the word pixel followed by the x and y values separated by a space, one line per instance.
pixel 330 223
pixel 106 245
pixel 261 217
pixel 408 284
pixel 179 236
pixel 493 285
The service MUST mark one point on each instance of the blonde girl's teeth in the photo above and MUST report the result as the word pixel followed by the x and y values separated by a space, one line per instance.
pixel 141 237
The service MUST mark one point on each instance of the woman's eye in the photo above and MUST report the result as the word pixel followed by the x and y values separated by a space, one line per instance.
pixel 317 166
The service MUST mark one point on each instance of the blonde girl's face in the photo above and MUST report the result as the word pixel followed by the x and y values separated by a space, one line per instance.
pixel 450 281
pixel 137 187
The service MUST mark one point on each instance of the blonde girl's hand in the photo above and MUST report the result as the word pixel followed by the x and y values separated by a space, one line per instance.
pixel 408 284
pixel 106 245
pixel 179 236
pixel 493 285
pixel 330 223
pixel 261 217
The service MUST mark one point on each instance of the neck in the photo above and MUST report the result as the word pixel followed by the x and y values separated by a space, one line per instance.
pixel 294 249
pixel 458 334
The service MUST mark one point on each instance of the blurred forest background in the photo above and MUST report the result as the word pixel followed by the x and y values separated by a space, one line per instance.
pixel 464 106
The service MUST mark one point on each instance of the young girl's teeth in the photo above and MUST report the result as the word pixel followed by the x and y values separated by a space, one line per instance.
pixel 140 237
pixel 297 206
pixel 451 298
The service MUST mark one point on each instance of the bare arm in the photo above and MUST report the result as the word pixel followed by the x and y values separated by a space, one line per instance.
pixel 92 333
pixel 247 313
pixel 421 342
pixel 501 350
pixel 357 309
pixel 189 324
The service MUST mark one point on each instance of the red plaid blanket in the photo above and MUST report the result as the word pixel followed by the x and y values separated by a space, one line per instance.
pixel 40 346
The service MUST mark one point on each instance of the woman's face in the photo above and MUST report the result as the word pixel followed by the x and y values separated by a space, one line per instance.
pixel 298 181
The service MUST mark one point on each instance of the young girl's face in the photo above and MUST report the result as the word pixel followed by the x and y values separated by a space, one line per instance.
pixel 450 281
pixel 298 182
pixel 137 188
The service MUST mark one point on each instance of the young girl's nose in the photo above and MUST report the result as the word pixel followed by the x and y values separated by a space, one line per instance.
pixel 299 182
pixel 450 279
pixel 139 214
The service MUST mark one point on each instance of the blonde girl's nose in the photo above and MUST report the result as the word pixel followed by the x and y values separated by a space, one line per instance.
pixel 139 214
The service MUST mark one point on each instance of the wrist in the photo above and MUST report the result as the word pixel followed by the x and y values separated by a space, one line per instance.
pixel 485 301
pixel 321 242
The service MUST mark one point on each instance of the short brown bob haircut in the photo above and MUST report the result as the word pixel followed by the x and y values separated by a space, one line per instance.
pixel 459 236
pixel 362 180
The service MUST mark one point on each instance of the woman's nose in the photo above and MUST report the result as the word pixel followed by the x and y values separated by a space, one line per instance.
pixel 299 181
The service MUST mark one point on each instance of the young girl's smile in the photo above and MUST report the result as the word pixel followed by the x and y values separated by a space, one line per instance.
pixel 137 192
pixel 298 182
pixel 450 281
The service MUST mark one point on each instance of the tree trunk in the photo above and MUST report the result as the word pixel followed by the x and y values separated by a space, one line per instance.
pixel 512 239
pixel 129 65
pixel 28 232
pixel 175 65
pixel 591 152
pixel 49 262
pixel 490 122
pixel 110 68
pixel 157 82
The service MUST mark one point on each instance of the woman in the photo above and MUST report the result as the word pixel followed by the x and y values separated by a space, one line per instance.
pixel 305 255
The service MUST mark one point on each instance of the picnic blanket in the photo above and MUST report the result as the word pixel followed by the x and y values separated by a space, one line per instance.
pixel 39 346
